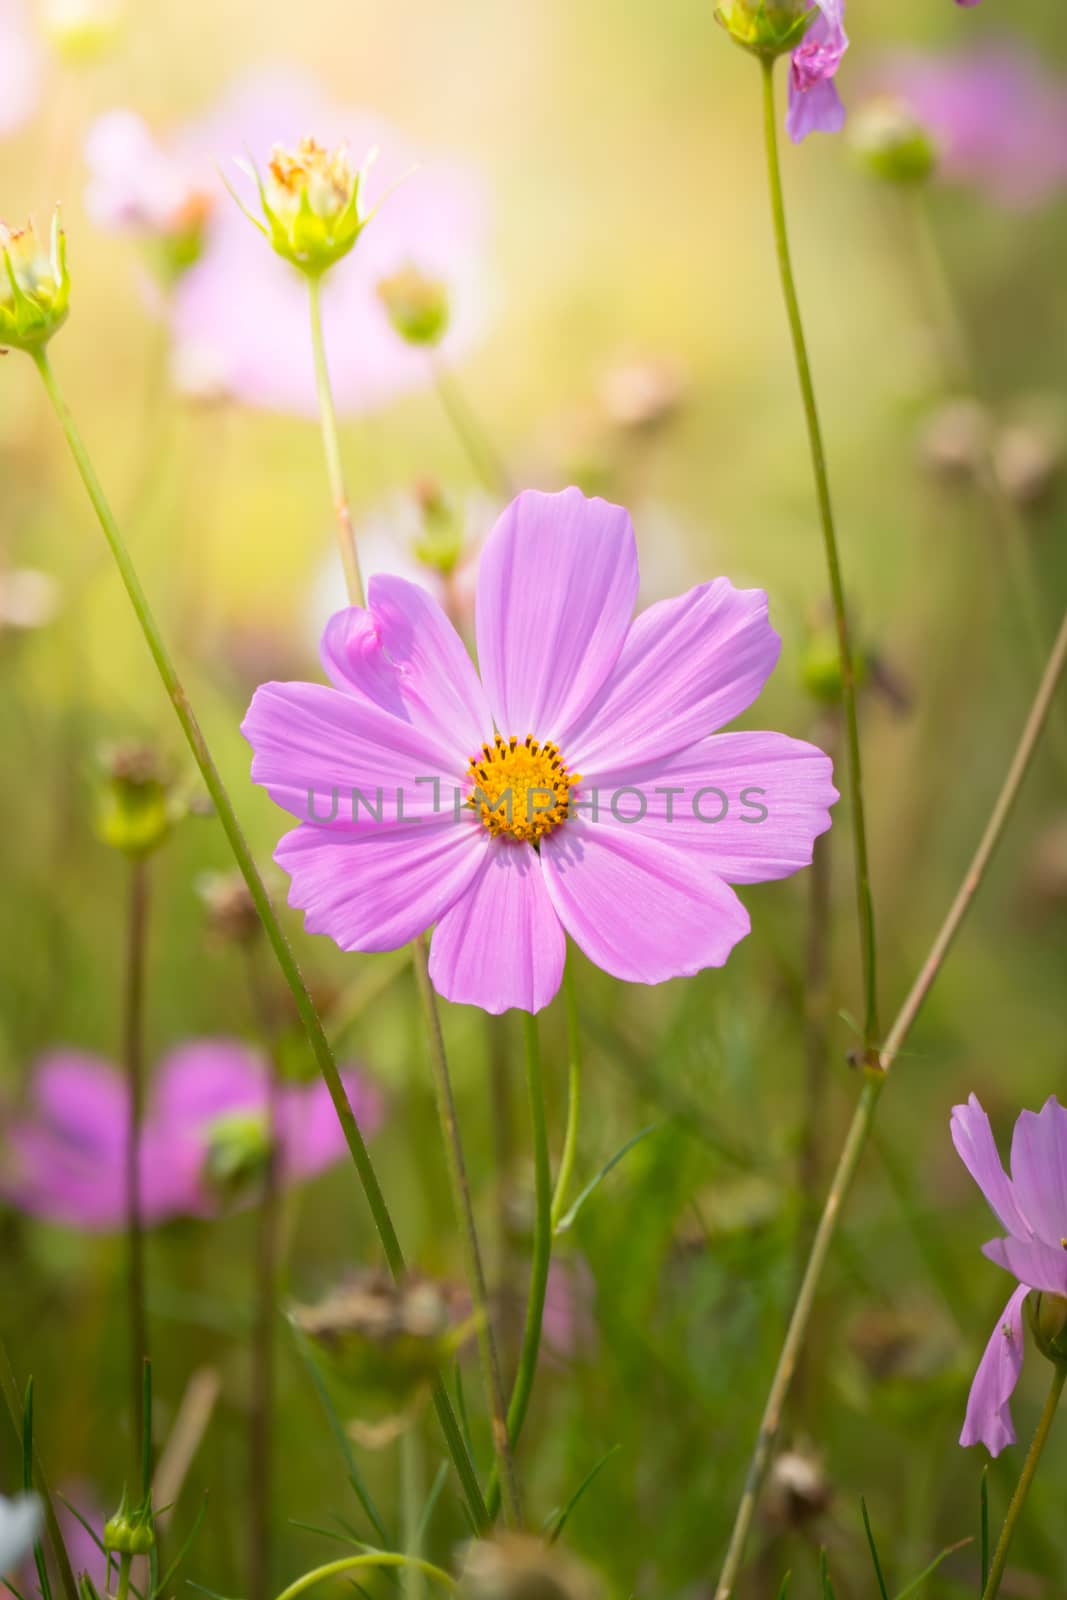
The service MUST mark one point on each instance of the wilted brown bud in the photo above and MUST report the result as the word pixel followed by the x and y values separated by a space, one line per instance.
pixel 516 1566
pixel 1028 458
pixel 231 912
pixel 643 395
pixel 955 440
pixel 798 1489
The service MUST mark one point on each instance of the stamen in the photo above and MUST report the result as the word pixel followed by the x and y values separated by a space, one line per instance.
pixel 522 790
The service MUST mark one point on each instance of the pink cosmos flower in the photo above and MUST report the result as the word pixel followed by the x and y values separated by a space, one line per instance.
pixel 814 103
pixel 996 114
pixel 1032 1206
pixel 19 66
pixel 572 789
pixel 209 1103
pixel 240 314
pixel 139 185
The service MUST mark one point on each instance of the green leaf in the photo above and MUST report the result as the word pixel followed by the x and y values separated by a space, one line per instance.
pixel 558 1520
pixel 355 1477
pixel 27 1483
pixel 428 1509
pixel 826 1587
pixel 567 1221
pixel 915 1583
pixel 882 1590
pixel 784 1590
pixel 184 1551
pixel 984 1495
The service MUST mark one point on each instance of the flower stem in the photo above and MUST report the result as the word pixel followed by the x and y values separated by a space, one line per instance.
pixel 242 855
pixel 133 1057
pixel 373 1558
pixel 542 1247
pixel 488 468
pixel 268 1255
pixel 475 1270
pixel 125 1564
pixel 863 1118
pixel 865 903
pixel 574 1096
pixel 1022 1488
pixel 346 537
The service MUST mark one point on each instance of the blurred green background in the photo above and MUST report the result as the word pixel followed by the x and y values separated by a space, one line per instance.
pixel 622 142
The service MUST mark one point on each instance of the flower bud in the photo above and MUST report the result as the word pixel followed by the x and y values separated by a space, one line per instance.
pixel 767 28
pixel 34 287
pixel 238 1154
pixel 82 31
pixel 1047 1315
pixel 891 142
pixel 516 1566
pixel 440 539
pixel 130 1532
pixel 417 305
pixel 820 666
pixel 133 808
pixel 311 205
pixel 385 1339
pixel 231 912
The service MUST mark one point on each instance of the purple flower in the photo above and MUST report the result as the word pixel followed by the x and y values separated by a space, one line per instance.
pixel 814 103
pixel 572 790
pixel 240 314
pixel 19 66
pixel 137 184
pixel 1032 1206
pixel 208 1105
pixel 996 114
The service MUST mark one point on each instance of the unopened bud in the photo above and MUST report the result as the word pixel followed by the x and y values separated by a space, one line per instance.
pixel 311 201
pixel 380 1337
pixel 1028 458
pixel 231 912
pixel 417 305
pixel 83 31
pixel 642 395
pixel 820 666
pixel 891 142
pixel 1047 1315
pixel 238 1153
pixel 34 288
pixel 767 28
pixel 130 1532
pixel 440 539
pixel 133 810
pixel 516 1566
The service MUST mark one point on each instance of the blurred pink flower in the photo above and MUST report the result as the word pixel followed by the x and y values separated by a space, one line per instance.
pixel 138 185
pixel 569 1319
pixel 1032 1206
pixel 241 316
pixel 66 1154
pixel 19 66
pixel 996 113
pixel 581 694
pixel 814 103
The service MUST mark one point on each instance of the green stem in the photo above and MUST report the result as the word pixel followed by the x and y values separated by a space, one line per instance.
pixel 346 537
pixel 133 1056
pixel 865 902
pixel 542 1250
pixel 125 1564
pixel 863 1118
pixel 267 1268
pixel 574 1095
pixel 475 1269
pixel 242 855
pixel 373 1558
pixel 1022 1488
pixel 410 1501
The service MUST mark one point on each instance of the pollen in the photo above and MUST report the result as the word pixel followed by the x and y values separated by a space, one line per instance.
pixel 521 788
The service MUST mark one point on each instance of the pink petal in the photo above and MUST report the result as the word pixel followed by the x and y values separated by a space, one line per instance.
pixel 1039 1266
pixel 501 945
pixel 988 1419
pixel 556 591
pixel 976 1148
pixel 753 802
pixel 688 666
pixel 815 109
pixel 642 909
pixel 205 1079
pixel 83 1099
pixel 1039 1169
pixel 378 889
pixel 309 1132
pixel 314 745
pixel 405 656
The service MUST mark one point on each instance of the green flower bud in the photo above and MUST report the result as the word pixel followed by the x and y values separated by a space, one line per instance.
pixel 130 1532
pixel 891 143
pixel 83 31
pixel 820 667
pixel 239 1150
pixel 133 806
pixel 417 305
pixel 34 286
pixel 767 28
pixel 516 1566
pixel 311 205
pixel 440 541
pixel 1047 1315
pixel 382 1339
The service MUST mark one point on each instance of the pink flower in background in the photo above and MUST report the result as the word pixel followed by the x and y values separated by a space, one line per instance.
pixel 814 103
pixel 208 1109
pixel 577 700
pixel 996 114
pixel 138 185
pixel 19 66
pixel 241 315
pixel 1032 1206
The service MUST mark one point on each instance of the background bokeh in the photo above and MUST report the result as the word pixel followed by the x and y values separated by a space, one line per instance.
pixel 621 142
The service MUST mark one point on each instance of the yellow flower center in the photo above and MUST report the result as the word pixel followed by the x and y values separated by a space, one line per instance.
pixel 520 789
